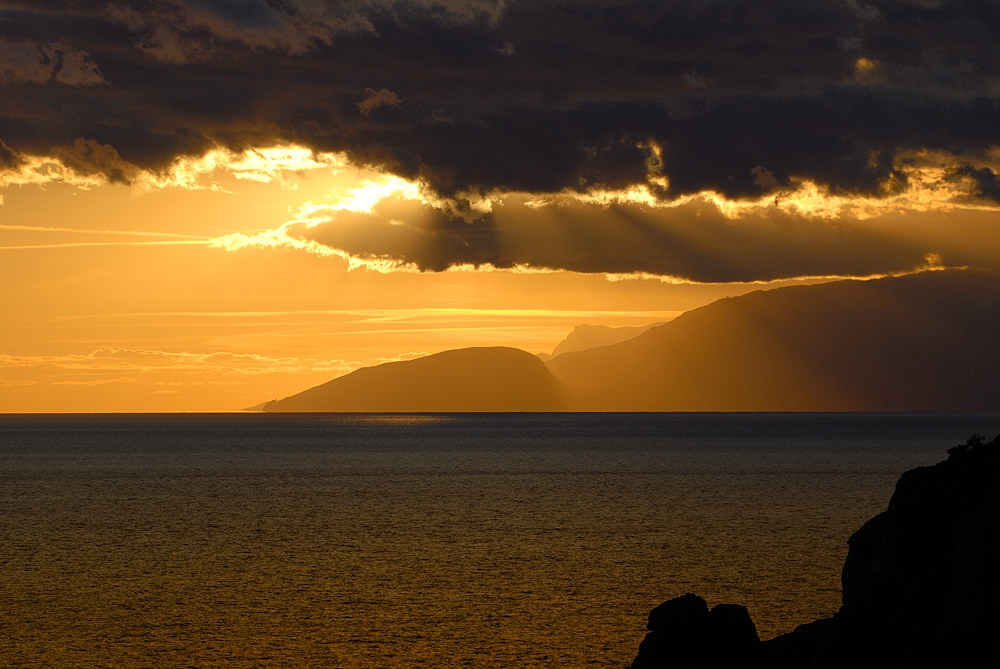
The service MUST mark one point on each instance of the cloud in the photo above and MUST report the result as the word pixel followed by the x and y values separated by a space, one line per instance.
pixel 986 181
pixel 86 164
pixel 8 157
pixel 553 97
pixel 87 157
pixel 380 98
pixel 97 380
pixel 183 31
pixel 864 12
pixel 25 61
pixel 702 239
pixel 721 88
pixel 106 365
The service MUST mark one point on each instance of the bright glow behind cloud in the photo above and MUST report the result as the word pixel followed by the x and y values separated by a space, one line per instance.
pixel 384 223
pixel 370 219
pixel 281 164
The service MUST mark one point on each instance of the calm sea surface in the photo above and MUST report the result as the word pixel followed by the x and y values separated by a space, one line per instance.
pixel 381 541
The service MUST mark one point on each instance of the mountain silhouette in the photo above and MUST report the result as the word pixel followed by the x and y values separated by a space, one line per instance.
pixel 921 342
pixel 585 337
pixel 468 379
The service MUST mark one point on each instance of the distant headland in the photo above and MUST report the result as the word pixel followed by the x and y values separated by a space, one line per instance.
pixel 920 342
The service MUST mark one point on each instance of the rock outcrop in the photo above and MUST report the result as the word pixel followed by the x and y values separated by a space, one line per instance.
pixel 921 588
pixel 683 632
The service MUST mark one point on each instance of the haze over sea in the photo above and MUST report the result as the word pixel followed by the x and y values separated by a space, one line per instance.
pixel 433 540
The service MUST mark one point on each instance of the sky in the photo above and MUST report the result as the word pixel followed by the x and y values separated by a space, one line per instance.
pixel 209 204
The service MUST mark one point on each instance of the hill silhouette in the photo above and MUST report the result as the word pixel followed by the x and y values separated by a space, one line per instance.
pixel 585 337
pixel 922 342
pixel 469 379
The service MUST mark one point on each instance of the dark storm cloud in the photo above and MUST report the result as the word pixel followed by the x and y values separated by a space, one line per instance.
pixel 534 95
pixel 987 182
pixel 693 241
pixel 24 61
pixel 89 157
pixel 8 158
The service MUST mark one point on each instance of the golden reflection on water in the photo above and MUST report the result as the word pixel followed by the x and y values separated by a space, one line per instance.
pixel 500 555
pixel 476 570
pixel 403 420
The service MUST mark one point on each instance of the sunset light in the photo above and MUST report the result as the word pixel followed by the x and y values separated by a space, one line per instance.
pixel 232 238
pixel 142 176
pixel 499 334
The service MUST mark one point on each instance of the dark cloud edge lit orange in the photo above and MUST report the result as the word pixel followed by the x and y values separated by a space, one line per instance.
pixel 479 99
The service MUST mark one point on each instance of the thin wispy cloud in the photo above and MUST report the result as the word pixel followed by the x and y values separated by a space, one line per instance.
pixel 74 245
pixel 88 231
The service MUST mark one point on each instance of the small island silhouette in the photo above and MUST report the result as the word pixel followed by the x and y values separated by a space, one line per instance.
pixel 921 588
pixel 470 379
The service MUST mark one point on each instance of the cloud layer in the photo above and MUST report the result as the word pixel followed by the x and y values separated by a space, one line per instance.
pixel 696 240
pixel 493 98
pixel 536 96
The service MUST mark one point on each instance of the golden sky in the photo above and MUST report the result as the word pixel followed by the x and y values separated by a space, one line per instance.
pixel 205 205
pixel 201 292
pixel 126 299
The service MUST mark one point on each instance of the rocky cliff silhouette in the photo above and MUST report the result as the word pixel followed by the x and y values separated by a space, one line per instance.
pixel 470 379
pixel 921 588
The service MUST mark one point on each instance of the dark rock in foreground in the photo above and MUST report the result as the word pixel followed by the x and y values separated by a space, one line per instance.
pixel 684 633
pixel 921 588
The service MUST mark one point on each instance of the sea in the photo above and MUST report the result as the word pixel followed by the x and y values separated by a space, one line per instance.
pixel 386 541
